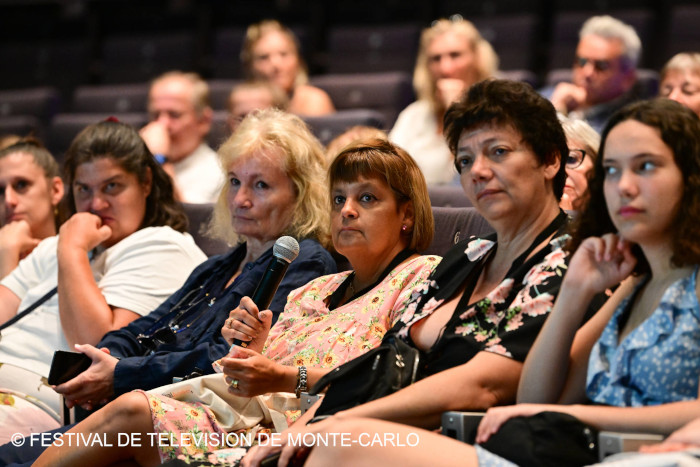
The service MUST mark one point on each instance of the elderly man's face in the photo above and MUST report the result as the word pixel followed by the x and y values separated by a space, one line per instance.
pixel 598 67
pixel 171 102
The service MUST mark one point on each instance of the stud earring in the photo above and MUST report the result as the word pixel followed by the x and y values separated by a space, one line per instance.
pixel 404 228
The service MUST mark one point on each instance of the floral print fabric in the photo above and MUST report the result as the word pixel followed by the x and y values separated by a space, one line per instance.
pixel 307 333
pixel 656 363
pixel 512 306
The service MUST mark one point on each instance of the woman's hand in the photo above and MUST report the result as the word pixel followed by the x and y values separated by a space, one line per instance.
pixel 495 417
pixel 94 386
pixel 449 90
pixel 16 238
pixel 256 374
pixel 247 324
pixel 686 437
pixel 600 263
pixel 83 231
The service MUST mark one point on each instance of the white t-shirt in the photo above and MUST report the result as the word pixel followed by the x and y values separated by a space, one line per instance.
pixel 136 274
pixel 199 176
pixel 416 131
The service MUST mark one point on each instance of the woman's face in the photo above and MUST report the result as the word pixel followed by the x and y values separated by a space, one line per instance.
pixel 27 194
pixel 261 196
pixel 643 185
pixel 501 175
pixel 576 177
pixel 682 87
pixel 366 220
pixel 450 56
pixel 102 187
pixel 275 58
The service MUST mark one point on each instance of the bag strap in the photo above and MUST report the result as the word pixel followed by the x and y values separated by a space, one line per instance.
pixel 28 310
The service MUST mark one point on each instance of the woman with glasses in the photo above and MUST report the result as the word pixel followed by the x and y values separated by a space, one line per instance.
pixel 680 80
pixel 380 216
pixel 119 255
pixel 31 190
pixel 452 56
pixel 583 142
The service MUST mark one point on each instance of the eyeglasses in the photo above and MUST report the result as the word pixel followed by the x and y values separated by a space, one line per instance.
pixel 162 333
pixel 598 65
pixel 575 158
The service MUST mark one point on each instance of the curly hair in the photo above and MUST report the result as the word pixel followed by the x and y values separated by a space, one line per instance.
pixel 679 128
pixel 515 104
pixel 386 161
pixel 303 162
pixel 122 143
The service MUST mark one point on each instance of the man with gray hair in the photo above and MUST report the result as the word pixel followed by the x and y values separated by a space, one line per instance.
pixel 181 117
pixel 604 71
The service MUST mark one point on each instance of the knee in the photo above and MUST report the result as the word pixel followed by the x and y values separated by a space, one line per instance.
pixel 129 405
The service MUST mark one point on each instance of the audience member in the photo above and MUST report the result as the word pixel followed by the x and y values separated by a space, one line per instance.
pixel 352 135
pixel 635 366
pixel 253 95
pixel 120 254
pixel 181 116
pixel 271 52
pixel 380 216
pixel 31 190
pixel 604 72
pixel 452 56
pixel 583 142
pixel 476 318
pixel 680 80
pixel 8 140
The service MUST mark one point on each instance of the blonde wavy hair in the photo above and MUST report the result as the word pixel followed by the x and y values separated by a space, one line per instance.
pixel 257 31
pixel 486 58
pixel 274 131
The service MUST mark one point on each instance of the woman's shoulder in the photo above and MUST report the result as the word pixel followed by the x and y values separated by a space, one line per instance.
pixel 159 238
pixel 311 101
pixel 422 261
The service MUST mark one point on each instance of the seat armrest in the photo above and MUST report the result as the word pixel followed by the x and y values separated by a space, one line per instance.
pixel 613 442
pixel 461 425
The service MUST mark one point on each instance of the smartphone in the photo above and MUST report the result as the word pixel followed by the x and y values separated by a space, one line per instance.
pixel 67 365
pixel 461 425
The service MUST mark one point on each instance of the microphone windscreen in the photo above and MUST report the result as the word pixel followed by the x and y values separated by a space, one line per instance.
pixel 286 248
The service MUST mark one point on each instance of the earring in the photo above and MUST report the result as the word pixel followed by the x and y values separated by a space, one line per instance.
pixel 404 228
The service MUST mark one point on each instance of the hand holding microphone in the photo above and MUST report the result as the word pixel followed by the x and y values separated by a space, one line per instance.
pixel 285 250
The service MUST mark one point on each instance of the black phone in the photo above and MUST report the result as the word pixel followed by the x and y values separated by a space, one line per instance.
pixel 67 365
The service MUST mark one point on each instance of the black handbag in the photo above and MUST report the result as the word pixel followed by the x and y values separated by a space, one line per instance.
pixel 380 372
pixel 546 439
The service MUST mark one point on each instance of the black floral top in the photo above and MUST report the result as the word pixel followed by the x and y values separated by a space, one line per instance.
pixel 505 322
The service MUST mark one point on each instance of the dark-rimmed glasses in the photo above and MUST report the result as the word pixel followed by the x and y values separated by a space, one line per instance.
pixel 598 65
pixel 575 158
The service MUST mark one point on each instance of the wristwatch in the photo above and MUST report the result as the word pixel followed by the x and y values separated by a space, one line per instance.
pixel 301 381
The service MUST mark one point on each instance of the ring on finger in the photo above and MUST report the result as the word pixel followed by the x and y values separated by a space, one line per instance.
pixel 234 384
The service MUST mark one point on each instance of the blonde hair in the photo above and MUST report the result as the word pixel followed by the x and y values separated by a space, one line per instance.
pixel 684 61
pixel 486 58
pixel 200 89
pixel 303 161
pixel 255 32
pixel 581 130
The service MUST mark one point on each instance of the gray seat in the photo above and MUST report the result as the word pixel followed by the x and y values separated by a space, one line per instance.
pixel 453 225
pixel 198 216
pixel 448 196
pixel 327 127
pixel 111 98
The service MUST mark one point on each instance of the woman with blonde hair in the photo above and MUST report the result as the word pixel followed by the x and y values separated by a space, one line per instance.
pixel 271 53
pixel 452 56
pixel 680 80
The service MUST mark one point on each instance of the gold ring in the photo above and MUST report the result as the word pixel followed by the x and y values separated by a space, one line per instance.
pixel 230 323
pixel 234 384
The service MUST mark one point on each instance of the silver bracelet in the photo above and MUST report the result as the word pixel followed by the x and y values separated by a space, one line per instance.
pixel 301 381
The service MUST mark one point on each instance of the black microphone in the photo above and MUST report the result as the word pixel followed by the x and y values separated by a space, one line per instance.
pixel 284 251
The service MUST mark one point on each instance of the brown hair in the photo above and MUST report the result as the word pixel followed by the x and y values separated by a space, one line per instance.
pixel 122 143
pixel 679 129
pixel 378 158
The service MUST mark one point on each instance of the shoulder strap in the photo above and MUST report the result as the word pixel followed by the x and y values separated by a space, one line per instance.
pixel 31 308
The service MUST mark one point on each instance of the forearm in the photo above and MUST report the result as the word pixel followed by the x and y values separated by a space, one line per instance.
pixel 9 259
pixel 661 419
pixel 85 314
pixel 547 366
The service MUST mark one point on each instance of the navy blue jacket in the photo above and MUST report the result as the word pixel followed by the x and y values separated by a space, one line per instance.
pixel 200 344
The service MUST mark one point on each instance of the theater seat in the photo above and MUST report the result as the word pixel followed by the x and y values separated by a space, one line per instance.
pixel 448 196
pixel 453 225
pixel 327 127
pixel 198 216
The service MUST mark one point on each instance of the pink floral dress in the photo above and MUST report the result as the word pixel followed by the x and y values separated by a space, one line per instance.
pixel 307 333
